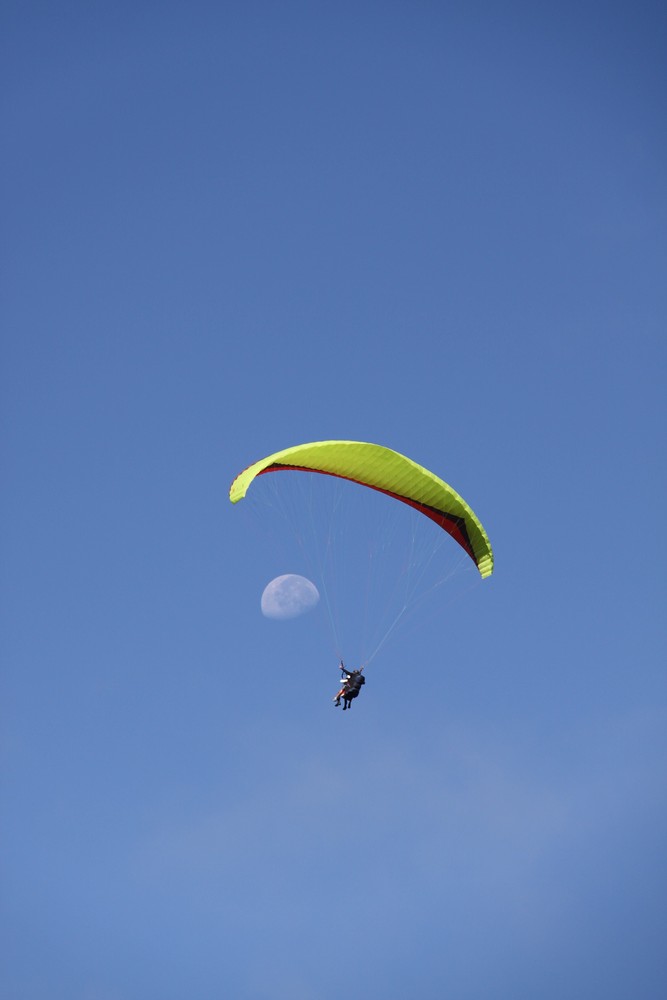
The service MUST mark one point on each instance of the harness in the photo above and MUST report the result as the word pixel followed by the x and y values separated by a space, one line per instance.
pixel 353 683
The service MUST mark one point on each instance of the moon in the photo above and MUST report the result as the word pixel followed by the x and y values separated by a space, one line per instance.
pixel 289 596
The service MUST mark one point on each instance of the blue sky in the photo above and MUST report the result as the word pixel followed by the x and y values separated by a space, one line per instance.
pixel 232 227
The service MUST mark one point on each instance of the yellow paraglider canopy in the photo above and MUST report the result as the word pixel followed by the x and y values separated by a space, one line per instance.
pixel 388 472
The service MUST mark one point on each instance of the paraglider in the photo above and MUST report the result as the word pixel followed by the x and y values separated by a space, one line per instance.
pixel 396 476
pixel 351 686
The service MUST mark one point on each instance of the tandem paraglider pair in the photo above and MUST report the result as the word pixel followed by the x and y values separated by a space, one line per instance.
pixel 351 686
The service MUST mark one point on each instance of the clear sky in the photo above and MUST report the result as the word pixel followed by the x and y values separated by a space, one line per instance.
pixel 232 227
